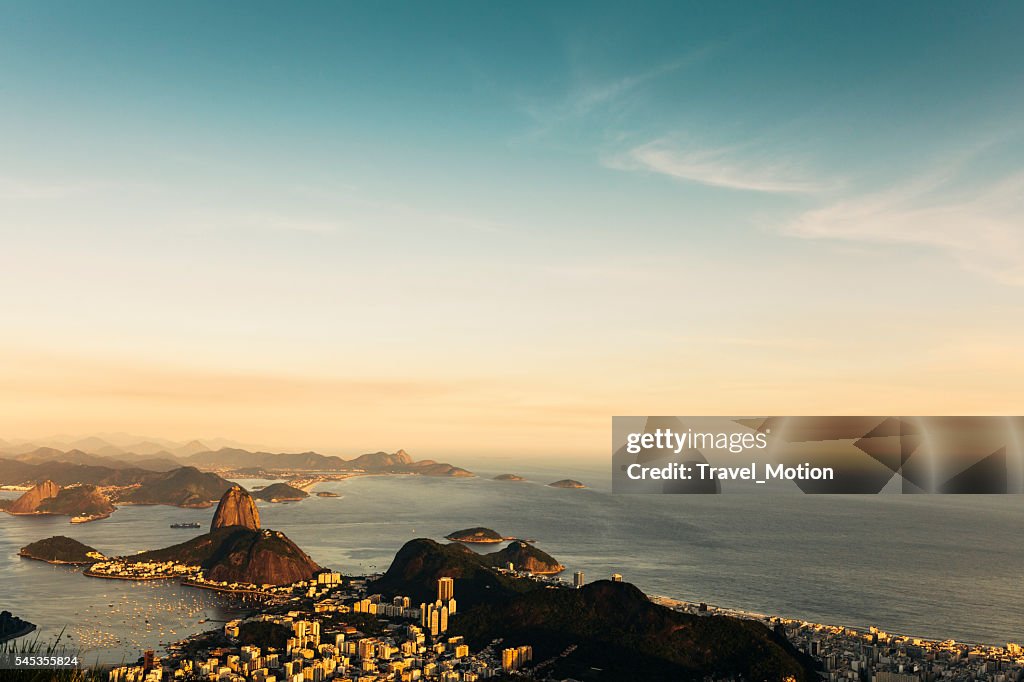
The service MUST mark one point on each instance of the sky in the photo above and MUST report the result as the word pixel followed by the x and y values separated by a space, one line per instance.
pixel 485 228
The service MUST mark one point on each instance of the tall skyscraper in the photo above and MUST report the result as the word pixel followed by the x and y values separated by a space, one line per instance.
pixel 434 617
pixel 577 579
pixel 445 589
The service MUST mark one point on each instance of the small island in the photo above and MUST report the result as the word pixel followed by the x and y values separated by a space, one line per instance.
pixel 61 550
pixel 327 493
pixel 280 492
pixel 477 535
pixel 509 477
pixel 567 483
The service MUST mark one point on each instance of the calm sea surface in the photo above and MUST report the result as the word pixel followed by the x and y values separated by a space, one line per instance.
pixel 931 566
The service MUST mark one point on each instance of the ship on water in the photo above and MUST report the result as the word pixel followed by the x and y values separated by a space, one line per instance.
pixel 184 525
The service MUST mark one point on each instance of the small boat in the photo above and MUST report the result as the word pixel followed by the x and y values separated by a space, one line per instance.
pixel 184 525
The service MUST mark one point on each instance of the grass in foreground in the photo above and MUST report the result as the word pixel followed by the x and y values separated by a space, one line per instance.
pixel 34 647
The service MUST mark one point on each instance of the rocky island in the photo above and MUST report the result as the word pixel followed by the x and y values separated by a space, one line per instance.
pixel 477 535
pixel 61 550
pixel 567 483
pixel 280 492
pixel 509 477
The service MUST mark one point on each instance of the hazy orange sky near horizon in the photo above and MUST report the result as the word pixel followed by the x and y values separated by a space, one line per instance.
pixel 529 413
pixel 486 229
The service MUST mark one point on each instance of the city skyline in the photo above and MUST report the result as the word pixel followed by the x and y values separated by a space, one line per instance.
pixel 485 230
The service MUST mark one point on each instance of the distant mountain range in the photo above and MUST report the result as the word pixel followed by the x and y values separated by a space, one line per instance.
pixel 152 455
pixel 114 444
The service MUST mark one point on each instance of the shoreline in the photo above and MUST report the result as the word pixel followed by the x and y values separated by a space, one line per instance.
pixel 73 518
pixel 743 614
pixel 227 590
pixel 104 576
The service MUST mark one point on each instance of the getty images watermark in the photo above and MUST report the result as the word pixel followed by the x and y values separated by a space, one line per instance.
pixel 846 454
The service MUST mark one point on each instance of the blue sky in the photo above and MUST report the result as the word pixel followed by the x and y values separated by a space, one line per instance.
pixel 520 219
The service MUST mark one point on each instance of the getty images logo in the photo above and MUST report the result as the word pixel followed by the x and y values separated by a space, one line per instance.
pixel 678 441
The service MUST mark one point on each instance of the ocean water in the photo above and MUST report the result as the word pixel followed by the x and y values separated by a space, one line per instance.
pixel 930 566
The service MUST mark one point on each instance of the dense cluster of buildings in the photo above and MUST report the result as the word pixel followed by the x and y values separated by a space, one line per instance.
pixel 142 570
pixel 876 656
pixel 410 643
pixel 857 655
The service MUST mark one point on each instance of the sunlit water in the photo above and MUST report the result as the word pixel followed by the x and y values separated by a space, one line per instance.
pixel 931 566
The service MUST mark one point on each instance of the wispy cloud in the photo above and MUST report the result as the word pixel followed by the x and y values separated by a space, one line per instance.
pixel 982 229
pixel 730 168
pixel 588 96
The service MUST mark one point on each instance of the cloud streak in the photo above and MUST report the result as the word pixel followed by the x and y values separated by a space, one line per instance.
pixel 716 167
pixel 588 96
pixel 981 229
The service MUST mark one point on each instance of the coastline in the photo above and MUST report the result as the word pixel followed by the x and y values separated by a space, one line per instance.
pixel 144 578
pixel 865 630
pixel 73 519
pixel 228 590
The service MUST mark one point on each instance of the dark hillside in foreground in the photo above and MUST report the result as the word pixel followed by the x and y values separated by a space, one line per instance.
pixel 618 632
pixel 623 634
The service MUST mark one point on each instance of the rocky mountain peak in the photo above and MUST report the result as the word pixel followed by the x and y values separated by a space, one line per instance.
pixel 236 508
pixel 30 501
